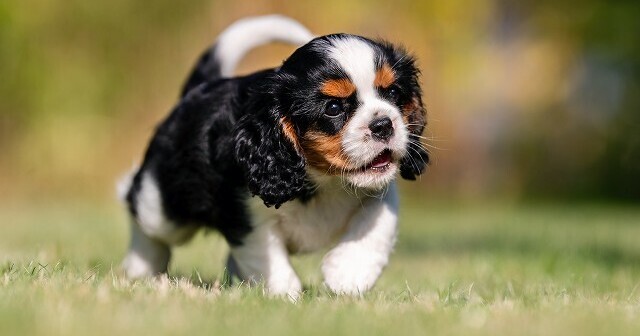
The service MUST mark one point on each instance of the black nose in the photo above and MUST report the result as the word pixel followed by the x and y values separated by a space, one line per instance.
pixel 381 129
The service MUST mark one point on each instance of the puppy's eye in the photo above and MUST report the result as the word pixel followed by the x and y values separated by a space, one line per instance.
pixel 393 94
pixel 333 109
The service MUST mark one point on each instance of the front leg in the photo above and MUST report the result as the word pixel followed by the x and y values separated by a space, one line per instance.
pixel 264 257
pixel 354 265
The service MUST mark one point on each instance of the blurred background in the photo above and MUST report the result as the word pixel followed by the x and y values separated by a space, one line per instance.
pixel 526 100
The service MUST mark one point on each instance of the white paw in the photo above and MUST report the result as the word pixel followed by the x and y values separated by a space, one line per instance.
pixel 286 285
pixel 136 267
pixel 351 270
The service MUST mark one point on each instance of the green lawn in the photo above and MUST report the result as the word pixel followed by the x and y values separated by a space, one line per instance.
pixel 458 269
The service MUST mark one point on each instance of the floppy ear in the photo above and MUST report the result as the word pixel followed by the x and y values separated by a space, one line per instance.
pixel 265 149
pixel 414 114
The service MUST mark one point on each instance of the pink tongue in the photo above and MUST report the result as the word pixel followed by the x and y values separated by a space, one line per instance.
pixel 381 160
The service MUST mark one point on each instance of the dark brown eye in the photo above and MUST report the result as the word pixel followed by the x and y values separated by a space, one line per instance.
pixel 393 94
pixel 333 109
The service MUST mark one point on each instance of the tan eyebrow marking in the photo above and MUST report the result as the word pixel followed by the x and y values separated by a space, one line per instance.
pixel 384 77
pixel 339 88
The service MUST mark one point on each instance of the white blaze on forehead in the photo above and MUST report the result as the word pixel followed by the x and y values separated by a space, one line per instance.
pixel 357 59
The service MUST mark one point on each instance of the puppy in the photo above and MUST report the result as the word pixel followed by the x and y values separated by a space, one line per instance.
pixel 285 160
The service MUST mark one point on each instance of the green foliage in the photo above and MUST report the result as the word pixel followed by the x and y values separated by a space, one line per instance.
pixel 77 57
pixel 527 98
pixel 602 157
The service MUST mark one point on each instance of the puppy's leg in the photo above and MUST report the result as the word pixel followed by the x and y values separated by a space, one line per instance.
pixel 354 265
pixel 263 256
pixel 147 256
pixel 152 232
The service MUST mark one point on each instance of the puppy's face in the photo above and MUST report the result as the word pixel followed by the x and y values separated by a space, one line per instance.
pixel 352 107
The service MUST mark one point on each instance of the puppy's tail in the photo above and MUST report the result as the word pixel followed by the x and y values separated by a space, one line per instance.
pixel 243 35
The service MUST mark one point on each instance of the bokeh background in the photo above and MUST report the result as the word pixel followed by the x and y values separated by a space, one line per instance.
pixel 526 220
pixel 526 100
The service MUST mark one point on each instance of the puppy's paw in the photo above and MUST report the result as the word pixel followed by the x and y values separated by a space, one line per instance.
pixel 285 285
pixel 136 266
pixel 351 270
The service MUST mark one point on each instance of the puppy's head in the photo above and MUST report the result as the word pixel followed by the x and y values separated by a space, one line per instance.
pixel 341 105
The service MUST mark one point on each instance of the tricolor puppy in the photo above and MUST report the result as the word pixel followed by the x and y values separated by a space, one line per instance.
pixel 318 141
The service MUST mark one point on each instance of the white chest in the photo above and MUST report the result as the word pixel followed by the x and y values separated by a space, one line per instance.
pixel 306 227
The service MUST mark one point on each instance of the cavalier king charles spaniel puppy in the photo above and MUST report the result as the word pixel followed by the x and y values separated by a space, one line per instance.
pixel 286 160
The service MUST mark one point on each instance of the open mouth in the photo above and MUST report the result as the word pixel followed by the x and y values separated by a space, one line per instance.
pixel 381 162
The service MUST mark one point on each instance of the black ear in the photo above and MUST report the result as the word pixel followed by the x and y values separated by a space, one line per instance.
pixel 415 161
pixel 414 114
pixel 266 152
pixel 417 157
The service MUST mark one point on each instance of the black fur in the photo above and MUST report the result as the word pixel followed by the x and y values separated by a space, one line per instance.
pixel 224 141
pixel 192 158
pixel 206 70
pixel 275 171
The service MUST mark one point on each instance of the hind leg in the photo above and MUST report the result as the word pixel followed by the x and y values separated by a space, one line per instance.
pixel 146 256
pixel 152 233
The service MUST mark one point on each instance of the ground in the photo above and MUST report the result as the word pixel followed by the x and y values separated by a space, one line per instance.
pixel 491 268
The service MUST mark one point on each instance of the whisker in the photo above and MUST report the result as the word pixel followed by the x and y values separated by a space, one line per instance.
pixel 429 138
pixel 417 145
pixel 419 154
pixel 415 164
pixel 413 161
pixel 421 145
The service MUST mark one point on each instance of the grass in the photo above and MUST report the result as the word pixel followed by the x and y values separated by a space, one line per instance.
pixel 487 269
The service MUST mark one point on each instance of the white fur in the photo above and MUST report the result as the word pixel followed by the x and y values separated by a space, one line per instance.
pixel 294 227
pixel 354 265
pixel 310 226
pixel 365 227
pixel 246 34
pixel 263 257
pixel 124 184
pixel 151 217
pixel 152 233
pixel 146 256
pixel 357 58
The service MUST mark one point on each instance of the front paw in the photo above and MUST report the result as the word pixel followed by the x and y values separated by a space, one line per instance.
pixel 351 270
pixel 286 285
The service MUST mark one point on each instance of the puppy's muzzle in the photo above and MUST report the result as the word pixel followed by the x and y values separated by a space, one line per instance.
pixel 381 129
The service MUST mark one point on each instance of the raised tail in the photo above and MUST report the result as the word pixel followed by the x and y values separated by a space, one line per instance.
pixel 221 59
